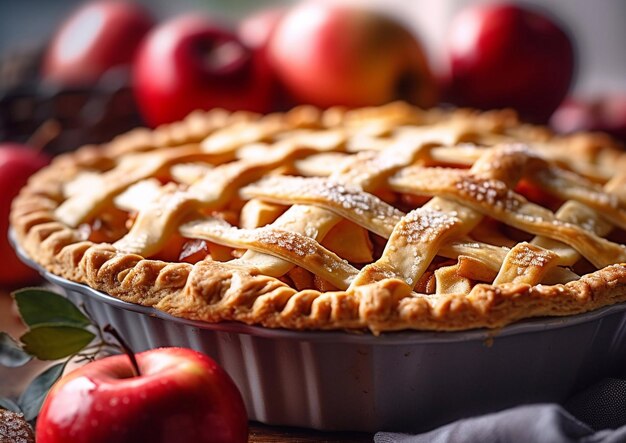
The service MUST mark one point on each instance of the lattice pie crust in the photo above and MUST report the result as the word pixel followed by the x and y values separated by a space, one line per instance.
pixel 382 218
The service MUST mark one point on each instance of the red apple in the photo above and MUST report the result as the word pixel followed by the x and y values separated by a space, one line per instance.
pixel 329 54
pixel 505 55
pixel 180 396
pixel 256 29
pixel 95 38
pixel 191 62
pixel 17 163
pixel 605 113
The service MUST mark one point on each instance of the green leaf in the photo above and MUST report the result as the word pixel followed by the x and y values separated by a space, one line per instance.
pixel 32 398
pixel 11 355
pixel 10 405
pixel 38 306
pixel 54 341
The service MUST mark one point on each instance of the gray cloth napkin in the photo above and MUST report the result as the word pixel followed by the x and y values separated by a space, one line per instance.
pixel 597 415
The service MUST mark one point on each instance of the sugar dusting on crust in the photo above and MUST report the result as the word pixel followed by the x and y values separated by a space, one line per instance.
pixel 349 197
pixel 492 192
pixel 286 240
pixel 290 242
pixel 526 256
pixel 424 225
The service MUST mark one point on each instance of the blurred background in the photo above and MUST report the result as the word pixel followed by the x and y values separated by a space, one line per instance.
pixel 76 72
pixel 598 26
pixel 27 27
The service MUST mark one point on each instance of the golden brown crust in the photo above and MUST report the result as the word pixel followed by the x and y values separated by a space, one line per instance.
pixel 214 291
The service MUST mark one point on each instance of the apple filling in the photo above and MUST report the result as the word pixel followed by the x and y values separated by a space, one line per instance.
pixel 107 227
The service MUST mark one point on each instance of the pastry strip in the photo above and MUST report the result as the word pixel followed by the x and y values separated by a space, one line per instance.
pixel 366 170
pixel 291 246
pixel 579 214
pixel 227 140
pixel 569 186
pixel 416 240
pixel 90 200
pixel 494 198
pixel 449 281
pixel 526 264
pixel 418 237
pixel 159 218
pixel 348 201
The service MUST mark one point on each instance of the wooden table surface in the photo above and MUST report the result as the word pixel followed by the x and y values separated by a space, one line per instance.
pixel 13 381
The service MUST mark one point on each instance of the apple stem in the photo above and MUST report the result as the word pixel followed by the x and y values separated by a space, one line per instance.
pixel 44 134
pixel 131 355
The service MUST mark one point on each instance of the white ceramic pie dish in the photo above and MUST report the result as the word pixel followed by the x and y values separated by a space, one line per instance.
pixel 400 381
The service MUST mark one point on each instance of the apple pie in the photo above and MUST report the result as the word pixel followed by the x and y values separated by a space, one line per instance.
pixel 379 219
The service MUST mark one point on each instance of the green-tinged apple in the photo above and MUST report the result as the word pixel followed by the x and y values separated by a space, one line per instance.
pixel 192 62
pixel 330 54
pixel 17 163
pixel 180 395
pixel 98 36
pixel 508 56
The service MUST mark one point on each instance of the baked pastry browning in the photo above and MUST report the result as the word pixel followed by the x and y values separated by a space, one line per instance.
pixel 383 218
